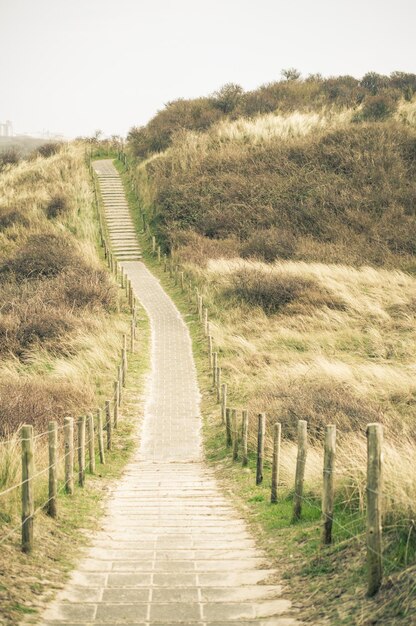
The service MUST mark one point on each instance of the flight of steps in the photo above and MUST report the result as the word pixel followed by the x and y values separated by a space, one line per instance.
pixel 121 230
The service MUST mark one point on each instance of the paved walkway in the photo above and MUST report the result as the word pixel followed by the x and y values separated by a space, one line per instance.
pixel 171 549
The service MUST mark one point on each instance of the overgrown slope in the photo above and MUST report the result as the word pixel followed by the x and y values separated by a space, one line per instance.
pixel 299 229
pixel 55 297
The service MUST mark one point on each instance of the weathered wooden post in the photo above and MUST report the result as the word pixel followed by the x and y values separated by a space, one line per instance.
pixel 91 442
pixel 300 468
pixel 120 383
pixel 153 244
pixel 277 432
pixel 218 385
pixel 116 404
pixel 100 437
pixel 223 401
pixel 200 307
pixel 374 512
pixel 81 451
pixel 28 502
pixel 53 470
pixel 228 428
pixel 205 321
pixel 214 368
pixel 108 425
pixel 260 447
pixel 328 483
pixel 69 454
pixel 132 335
pixel 235 434
pixel 182 282
pixel 210 350
pixel 158 254
pixel 165 263
pixel 245 438
pixel 124 365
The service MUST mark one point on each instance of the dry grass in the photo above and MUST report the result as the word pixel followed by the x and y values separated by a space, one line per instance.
pixel 55 297
pixel 348 364
pixel 342 193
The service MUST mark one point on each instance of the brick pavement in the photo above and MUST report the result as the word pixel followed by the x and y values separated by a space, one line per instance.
pixel 171 549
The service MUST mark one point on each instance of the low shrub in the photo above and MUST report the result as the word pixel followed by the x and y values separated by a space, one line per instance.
pixel 86 288
pixel 37 401
pixel 56 207
pixel 10 216
pixel 319 402
pixel 278 292
pixel 43 255
pixel 196 248
pixel 269 245
pixel 378 107
pixel 48 149
pixel 47 326
pixel 9 157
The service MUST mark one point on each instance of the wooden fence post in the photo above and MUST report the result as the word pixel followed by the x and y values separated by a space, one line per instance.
pixel 228 433
pixel 235 434
pixel 223 401
pixel 53 470
pixel 214 368
pixel 116 405
pixel 205 321
pixel 28 503
pixel 81 451
pixel 100 436
pixel 153 244
pixel 158 254
pixel 182 282
pixel 69 454
pixel 165 263
pixel 245 438
pixel 300 468
pixel 260 447
pixel 374 516
pixel 210 350
pixel 120 383
pixel 132 333
pixel 218 385
pixel 124 366
pixel 328 483
pixel 91 442
pixel 108 423
pixel 277 433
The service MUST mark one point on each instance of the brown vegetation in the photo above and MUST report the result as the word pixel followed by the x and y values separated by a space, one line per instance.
pixel 50 284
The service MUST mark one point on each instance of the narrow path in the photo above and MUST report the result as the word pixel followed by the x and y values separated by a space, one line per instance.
pixel 171 549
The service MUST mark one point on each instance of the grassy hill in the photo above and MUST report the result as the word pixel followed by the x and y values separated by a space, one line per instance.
pixel 298 225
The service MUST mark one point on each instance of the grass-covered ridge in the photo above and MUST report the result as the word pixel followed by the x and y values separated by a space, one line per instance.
pixel 298 225
pixel 303 187
pixel 56 297
pixel 62 317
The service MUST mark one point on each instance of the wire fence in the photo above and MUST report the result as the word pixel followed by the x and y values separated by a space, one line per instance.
pixel 84 440
pixel 368 497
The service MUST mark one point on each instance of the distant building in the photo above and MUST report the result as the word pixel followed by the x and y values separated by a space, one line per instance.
pixel 6 129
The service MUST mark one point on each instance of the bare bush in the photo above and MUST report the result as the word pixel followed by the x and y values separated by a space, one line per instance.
pixel 45 254
pixel 36 401
pixel 57 206
pixel 269 245
pixel 273 292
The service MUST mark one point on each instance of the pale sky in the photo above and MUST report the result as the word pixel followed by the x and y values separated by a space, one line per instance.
pixel 74 66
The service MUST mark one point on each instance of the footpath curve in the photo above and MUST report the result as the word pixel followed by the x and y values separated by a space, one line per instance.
pixel 171 549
